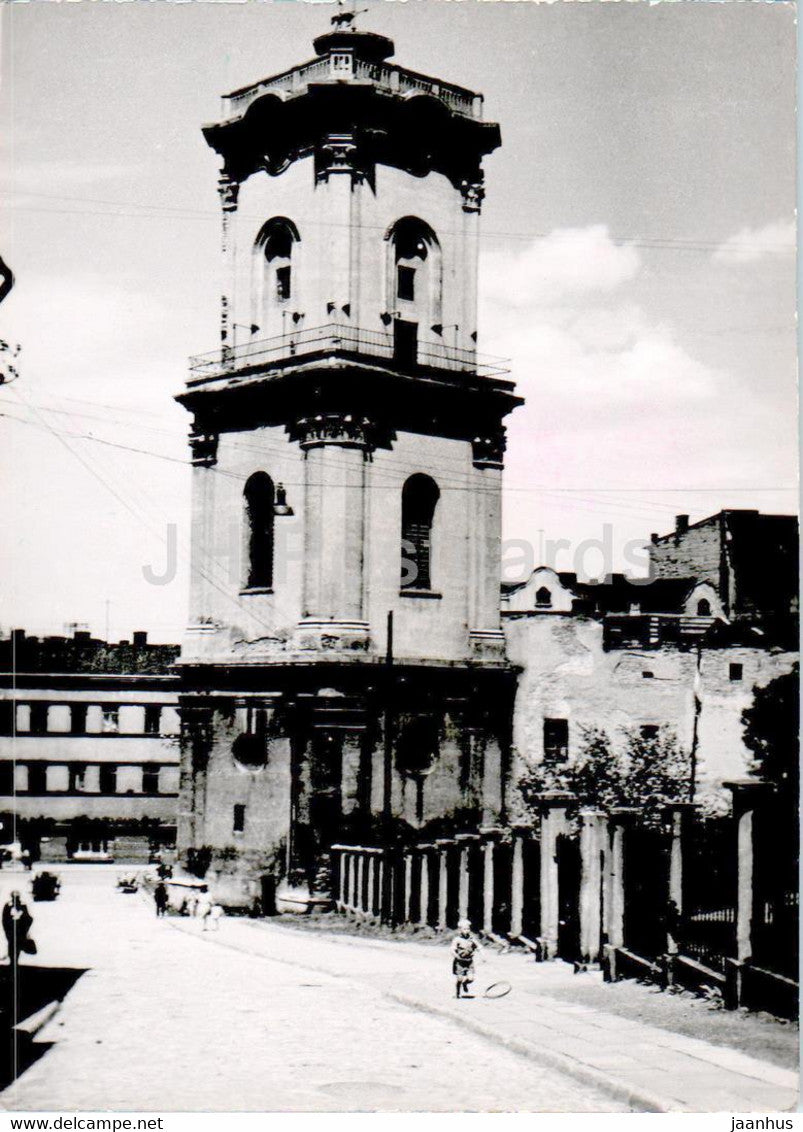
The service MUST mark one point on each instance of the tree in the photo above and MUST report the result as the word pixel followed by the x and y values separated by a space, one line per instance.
pixel 645 770
pixel 772 732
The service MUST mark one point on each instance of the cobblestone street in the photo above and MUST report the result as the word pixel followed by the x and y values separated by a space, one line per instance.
pixel 168 1018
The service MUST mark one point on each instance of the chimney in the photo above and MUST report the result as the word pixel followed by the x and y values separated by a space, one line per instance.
pixel 654 538
pixel 18 636
pixel 81 636
pixel 140 639
pixel 681 524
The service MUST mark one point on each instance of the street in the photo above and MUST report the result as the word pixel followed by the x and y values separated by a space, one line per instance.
pixel 256 1017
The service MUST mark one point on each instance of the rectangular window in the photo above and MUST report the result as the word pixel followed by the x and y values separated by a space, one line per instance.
pixel 150 780
pixel 108 779
pixel 735 671
pixel 153 713
pixel 283 283
pixel 6 777
pixel 405 283
pixel 77 775
pixel 6 717
pixel 556 739
pixel 111 721
pixel 238 825
pixel 58 719
pixel 78 719
pixel 647 675
pixel 649 731
pixel 23 720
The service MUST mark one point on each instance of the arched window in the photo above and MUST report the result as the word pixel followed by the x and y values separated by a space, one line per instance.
pixel 543 598
pixel 259 500
pixel 420 496
pixel 274 263
pixel 414 271
pixel 704 608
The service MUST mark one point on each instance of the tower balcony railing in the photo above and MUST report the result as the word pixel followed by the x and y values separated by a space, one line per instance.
pixel 382 347
pixel 337 68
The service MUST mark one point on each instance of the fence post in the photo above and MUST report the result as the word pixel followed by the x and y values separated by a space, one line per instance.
pixel 520 832
pixel 747 796
pixel 591 830
pixel 423 888
pixel 676 816
pixel 552 806
pixel 369 893
pixel 615 885
pixel 408 884
pixel 490 835
pixel 442 846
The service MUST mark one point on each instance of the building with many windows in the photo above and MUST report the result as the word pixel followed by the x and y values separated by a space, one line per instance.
pixel 89 746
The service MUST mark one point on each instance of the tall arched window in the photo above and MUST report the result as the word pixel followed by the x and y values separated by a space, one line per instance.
pixel 420 496
pixel 414 271
pixel 704 608
pixel 274 262
pixel 543 598
pixel 259 499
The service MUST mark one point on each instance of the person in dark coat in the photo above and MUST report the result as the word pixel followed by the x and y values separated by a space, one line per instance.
pixel 160 898
pixel 17 922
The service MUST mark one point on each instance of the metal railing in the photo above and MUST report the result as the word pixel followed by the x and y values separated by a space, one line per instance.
pixel 386 76
pixel 378 346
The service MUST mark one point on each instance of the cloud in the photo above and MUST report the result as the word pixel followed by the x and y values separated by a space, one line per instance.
pixel 751 244
pixel 566 264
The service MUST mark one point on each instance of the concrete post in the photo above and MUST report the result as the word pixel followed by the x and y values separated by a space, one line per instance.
pixel 676 817
pixel 552 806
pixel 370 896
pixel 423 902
pixel 408 885
pixel 747 797
pixel 490 836
pixel 464 842
pixel 618 821
pixel 517 881
pixel 443 865
pixel 591 831
pixel 360 881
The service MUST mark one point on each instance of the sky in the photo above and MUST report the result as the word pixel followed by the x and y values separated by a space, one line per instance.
pixel 637 267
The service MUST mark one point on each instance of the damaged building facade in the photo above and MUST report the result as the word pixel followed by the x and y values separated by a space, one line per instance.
pixel 348 675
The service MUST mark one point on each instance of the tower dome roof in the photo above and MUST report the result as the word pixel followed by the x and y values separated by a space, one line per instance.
pixel 365 44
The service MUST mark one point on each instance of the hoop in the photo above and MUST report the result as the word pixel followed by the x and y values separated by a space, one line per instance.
pixel 497 990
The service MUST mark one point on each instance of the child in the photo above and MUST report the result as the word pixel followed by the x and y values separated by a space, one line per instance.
pixel 464 947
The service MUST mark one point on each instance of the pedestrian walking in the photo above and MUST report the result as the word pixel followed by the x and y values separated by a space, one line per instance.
pixel 160 898
pixel 214 918
pixel 465 946
pixel 17 923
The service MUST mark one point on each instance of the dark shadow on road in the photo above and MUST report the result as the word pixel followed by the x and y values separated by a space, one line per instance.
pixel 20 999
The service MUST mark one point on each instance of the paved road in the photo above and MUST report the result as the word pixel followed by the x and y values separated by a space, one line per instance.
pixel 166 1018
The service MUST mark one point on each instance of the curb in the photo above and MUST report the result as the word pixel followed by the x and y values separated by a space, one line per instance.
pixel 639 1099
pixel 31 1025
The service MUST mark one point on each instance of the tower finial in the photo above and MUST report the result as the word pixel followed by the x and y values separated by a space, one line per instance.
pixel 344 18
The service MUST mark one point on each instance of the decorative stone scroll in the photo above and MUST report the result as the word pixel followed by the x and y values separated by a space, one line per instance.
pixel 473 195
pixel 203 449
pixel 489 451
pixel 345 429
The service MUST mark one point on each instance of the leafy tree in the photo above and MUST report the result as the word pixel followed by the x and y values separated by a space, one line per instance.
pixel 772 732
pixel 643 771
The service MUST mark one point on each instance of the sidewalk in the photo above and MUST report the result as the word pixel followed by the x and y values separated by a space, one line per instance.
pixel 644 1066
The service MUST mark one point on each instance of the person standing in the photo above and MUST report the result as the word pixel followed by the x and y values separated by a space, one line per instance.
pixel 17 923
pixel 160 898
pixel 465 946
